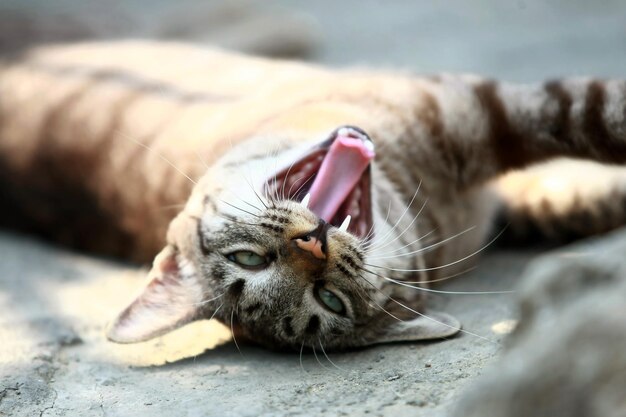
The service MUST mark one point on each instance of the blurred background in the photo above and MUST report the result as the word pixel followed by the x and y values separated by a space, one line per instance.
pixel 518 40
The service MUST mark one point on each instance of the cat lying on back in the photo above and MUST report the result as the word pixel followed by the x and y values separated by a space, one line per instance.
pixel 318 205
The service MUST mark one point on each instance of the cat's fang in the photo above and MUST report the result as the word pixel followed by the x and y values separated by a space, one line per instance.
pixel 305 200
pixel 346 223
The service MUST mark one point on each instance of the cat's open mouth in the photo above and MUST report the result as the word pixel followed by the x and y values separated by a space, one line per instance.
pixel 336 175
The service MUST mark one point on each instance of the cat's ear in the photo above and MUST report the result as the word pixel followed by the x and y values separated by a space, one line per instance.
pixel 172 298
pixel 401 322
pixel 431 325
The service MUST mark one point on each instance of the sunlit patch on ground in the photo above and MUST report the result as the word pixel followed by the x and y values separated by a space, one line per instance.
pixel 186 342
pixel 98 300
pixel 504 326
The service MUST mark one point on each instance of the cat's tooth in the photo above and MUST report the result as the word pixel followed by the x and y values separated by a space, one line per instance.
pixel 369 145
pixel 305 200
pixel 344 131
pixel 345 224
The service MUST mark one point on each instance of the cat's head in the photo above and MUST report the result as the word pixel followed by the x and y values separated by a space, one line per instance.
pixel 275 244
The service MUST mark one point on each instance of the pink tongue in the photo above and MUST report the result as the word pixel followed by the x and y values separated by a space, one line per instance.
pixel 340 171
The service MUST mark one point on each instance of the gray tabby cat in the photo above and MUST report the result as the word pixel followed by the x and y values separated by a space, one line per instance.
pixel 319 206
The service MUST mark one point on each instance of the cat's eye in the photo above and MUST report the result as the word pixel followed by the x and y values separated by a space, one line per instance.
pixel 248 259
pixel 330 300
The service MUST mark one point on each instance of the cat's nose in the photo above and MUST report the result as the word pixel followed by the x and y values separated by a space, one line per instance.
pixel 314 242
pixel 313 245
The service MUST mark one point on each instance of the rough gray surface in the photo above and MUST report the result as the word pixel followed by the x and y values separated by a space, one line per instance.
pixel 568 356
pixel 53 304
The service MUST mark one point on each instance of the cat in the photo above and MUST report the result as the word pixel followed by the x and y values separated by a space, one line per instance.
pixel 317 205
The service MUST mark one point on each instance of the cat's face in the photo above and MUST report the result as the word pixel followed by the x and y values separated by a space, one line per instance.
pixel 287 277
pixel 274 243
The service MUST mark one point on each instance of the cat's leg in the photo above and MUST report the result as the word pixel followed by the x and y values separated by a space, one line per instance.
pixel 478 129
pixel 561 201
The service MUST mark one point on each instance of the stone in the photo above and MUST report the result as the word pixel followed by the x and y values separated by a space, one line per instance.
pixel 568 355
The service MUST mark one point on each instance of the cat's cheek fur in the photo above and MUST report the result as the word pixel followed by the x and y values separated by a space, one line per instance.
pixel 172 298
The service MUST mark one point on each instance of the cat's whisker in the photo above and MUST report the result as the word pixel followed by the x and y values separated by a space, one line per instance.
pixel 404 284
pixel 430 318
pixel 255 193
pixel 301 185
pixel 247 179
pixel 378 246
pixel 206 165
pixel 442 323
pixel 150 149
pixel 258 196
pixel 447 277
pixel 207 301
pixel 381 308
pixel 245 201
pixel 268 192
pixel 389 232
pixel 285 180
pixel 434 268
pixel 405 246
pixel 234 220
pixel 239 208
pixel 273 194
pixel 360 293
pixel 393 228
pixel 370 233
pixel 406 228
pixel 246 174
pixel 274 155
pixel 426 248
pixel 301 349
pixel 328 357
pixel 232 330
pixel 216 310
pixel 251 205
pixel 317 359
pixel 271 175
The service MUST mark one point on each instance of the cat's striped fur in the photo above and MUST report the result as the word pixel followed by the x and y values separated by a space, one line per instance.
pixel 75 122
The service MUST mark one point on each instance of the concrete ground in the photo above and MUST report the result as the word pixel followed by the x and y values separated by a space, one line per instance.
pixel 54 304
pixel 55 358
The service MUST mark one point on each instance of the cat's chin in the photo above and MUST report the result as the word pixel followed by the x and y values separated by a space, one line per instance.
pixel 335 178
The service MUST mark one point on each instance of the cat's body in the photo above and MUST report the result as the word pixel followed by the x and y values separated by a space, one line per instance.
pixel 76 124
